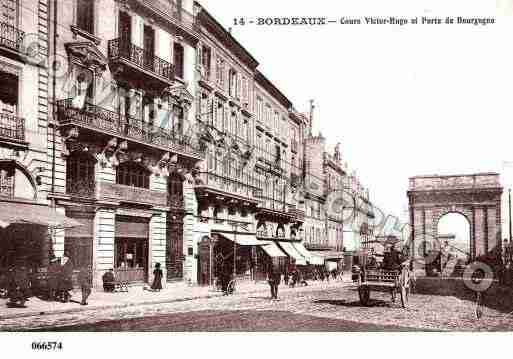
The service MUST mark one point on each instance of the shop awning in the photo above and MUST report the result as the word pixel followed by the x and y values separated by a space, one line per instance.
pixel 329 254
pixel 273 250
pixel 242 239
pixel 311 257
pixel 26 213
pixel 293 253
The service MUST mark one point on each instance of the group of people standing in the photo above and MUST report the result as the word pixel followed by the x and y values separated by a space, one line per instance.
pixel 22 282
pixel 295 276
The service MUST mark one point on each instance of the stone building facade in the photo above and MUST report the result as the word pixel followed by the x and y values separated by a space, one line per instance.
pixel 136 132
pixel 25 168
pixel 122 151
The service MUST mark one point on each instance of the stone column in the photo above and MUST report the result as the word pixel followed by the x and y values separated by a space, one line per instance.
pixel 104 223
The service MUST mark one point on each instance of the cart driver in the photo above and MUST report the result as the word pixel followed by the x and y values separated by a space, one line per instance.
pixel 392 259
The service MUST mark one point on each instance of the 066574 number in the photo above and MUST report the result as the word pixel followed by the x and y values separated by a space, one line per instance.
pixel 47 346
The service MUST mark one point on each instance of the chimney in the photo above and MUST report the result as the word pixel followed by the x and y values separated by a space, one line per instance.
pixel 312 108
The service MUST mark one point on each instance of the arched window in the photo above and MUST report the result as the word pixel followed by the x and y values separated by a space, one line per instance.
pixel 133 174
pixel 80 178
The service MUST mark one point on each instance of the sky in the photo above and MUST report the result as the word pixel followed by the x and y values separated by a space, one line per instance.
pixel 402 100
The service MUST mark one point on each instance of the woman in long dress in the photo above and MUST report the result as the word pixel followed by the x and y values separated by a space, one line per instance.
pixel 157 278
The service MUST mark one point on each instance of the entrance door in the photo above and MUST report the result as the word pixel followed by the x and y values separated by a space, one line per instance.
pixel 174 235
pixel 204 262
pixel 174 247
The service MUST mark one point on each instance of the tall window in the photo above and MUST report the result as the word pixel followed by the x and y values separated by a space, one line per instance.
pixel 178 57
pixel 8 97
pixel 133 174
pixel 260 109
pixel 220 72
pixel 149 47
pixel 175 191
pixel 9 12
pixel 80 178
pixel 233 86
pixel 6 180
pixel 125 26
pixel 85 15
pixel 206 58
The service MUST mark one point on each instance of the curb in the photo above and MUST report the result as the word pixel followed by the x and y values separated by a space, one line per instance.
pixel 125 305
pixel 105 307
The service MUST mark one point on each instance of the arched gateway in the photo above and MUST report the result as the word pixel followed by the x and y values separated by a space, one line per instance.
pixel 476 196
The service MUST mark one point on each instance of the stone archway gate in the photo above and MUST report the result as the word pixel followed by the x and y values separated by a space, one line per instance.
pixel 476 196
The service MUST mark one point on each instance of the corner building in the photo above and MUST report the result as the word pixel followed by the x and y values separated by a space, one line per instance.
pixel 120 139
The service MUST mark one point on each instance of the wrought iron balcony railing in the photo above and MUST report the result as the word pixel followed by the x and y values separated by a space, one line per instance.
pixel 145 59
pixel 229 185
pixel 171 9
pixel 11 36
pixel 103 120
pixel 12 127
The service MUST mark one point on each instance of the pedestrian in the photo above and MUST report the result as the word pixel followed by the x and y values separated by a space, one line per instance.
pixel 157 278
pixel 65 280
pixel 19 286
pixel 108 280
pixel 302 279
pixel 85 279
pixel 274 278
pixel 53 278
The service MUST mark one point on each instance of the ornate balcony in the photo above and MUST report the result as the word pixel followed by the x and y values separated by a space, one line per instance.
pixel 170 10
pixel 134 62
pixel 98 119
pixel 224 186
pixel 12 129
pixel 11 39
pixel 113 191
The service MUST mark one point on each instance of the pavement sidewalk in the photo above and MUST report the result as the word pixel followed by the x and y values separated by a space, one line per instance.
pixel 174 292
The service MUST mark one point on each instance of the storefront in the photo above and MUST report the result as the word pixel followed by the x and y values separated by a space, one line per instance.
pixel 26 231
pixel 131 248
pixel 241 254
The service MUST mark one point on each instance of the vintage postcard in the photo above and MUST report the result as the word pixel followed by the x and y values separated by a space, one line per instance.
pixel 174 166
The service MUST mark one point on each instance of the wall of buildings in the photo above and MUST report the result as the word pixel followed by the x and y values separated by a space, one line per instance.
pixel 158 133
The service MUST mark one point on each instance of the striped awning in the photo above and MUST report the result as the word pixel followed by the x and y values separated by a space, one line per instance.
pixel 273 250
pixel 293 253
pixel 311 257
pixel 242 239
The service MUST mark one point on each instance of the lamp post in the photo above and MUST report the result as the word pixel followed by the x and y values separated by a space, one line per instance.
pixel 509 200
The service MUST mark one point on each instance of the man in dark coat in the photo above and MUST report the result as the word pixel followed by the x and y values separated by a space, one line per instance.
pixel 274 281
pixel 54 270
pixel 85 279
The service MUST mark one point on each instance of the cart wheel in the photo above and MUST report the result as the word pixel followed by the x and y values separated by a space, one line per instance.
pixel 364 293
pixel 405 294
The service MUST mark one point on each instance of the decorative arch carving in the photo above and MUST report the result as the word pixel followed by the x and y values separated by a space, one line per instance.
pixel 8 169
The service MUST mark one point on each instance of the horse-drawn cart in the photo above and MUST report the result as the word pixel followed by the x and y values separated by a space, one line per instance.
pixel 397 281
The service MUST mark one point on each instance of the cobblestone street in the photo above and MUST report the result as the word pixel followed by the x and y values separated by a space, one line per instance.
pixel 329 308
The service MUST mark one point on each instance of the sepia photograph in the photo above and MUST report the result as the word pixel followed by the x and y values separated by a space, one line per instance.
pixel 229 166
